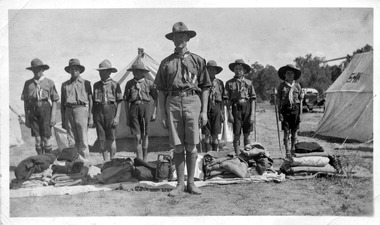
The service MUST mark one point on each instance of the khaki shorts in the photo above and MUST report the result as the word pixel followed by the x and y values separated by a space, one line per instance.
pixel 183 119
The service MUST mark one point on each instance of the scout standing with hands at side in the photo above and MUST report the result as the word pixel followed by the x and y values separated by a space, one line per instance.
pixel 106 110
pixel 76 106
pixel 241 104
pixel 215 113
pixel 289 95
pixel 181 79
pixel 39 114
pixel 138 94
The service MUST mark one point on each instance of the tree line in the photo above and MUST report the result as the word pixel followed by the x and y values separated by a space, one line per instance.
pixel 315 73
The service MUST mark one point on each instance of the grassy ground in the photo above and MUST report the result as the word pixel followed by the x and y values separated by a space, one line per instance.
pixel 323 196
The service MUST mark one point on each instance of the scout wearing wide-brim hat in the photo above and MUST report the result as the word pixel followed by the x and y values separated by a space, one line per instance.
pixel 37 63
pixel 138 65
pixel 282 71
pixel 74 62
pixel 106 65
pixel 212 64
pixel 239 62
pixel 178 28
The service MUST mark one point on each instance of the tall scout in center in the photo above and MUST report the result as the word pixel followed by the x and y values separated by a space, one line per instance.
pixel 180 79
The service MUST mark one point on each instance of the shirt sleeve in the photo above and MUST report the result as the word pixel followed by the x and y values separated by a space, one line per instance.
pixel 119 96
pixel 63 95
pixel 126 92
pixel 53 93
pixel 153 90
pixel 23 93
pixel 87 85
pixel 204 80
pixel 159 81
pixel 252 93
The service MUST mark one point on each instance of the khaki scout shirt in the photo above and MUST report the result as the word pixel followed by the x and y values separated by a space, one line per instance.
pixel 43 89
pixel 217 90
pixel 107 92
pixel 283 93
pixel 177 73
pixel 75 92
pixel 239 88
pixel 143 90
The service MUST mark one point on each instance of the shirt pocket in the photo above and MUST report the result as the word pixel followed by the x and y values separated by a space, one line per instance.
pixel 44 93
pixel 110 95
pixel 98 95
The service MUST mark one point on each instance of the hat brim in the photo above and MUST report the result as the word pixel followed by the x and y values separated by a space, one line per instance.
pixel 246 66
pixel 45 67
pixel 134 69
pixel 113 70
pixel 67 68
pixel 191 34
pixel 282 71
pixel 218 69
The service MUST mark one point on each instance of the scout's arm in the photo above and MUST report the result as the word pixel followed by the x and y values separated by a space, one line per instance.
pixel 228 104
pixel 153 93
pixel 90 118
pixel 26 107
pixel 63 109
pixel 205 96
pixel 252 95
pixel 54 97
pixel 119 99
pixel 161 107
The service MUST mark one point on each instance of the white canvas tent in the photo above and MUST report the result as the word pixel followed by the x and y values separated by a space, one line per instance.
pixel 349 102
pixel 122 77
pixel 15 137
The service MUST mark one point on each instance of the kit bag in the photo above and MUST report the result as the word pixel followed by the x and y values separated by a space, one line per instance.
pixel 308 147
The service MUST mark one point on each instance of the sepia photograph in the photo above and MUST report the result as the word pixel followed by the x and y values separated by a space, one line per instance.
pixel 183 112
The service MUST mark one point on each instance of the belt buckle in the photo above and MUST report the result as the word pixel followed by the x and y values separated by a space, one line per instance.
pixel 183 94
pixel 39 103
pixel 241 100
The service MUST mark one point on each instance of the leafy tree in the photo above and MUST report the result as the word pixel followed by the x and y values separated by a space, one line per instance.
pixel 314 73
pixel 264 79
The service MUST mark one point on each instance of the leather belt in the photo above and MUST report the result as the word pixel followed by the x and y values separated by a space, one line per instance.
pixel 139 102
pixel 182 93
pixel 74 105
pixel 240 101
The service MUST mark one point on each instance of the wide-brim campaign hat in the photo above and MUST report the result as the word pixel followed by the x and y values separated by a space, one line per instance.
pixel 74 62
pixel 239 62
pixel 213 64
pixel 37 63
pixel 180 27
pixel 106 65
pixel 138 65
pixel 282 71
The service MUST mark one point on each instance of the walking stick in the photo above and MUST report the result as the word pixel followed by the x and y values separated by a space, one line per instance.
pixel 276 110
pixel 255 121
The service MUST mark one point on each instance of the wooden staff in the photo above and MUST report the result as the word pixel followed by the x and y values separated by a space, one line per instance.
pixel 276 111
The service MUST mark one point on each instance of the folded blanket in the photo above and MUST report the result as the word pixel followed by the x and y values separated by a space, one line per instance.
pixel 317 161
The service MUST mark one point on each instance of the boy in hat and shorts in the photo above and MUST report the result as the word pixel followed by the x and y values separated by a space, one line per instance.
pixel 181 79
pixel 215 112
pixel 76 106
pixel 138 94
pixel 39 113
pixel 289 95
pixel 241 97
pixel 106 109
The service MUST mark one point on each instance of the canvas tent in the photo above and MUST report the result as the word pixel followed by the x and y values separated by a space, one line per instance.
pixel 15 137
pixel 349 102
pixel 122 77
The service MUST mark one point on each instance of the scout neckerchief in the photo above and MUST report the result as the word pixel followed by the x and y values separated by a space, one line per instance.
pixel 241 86
pixel 292 87
pixel 104 95
pixel 187 75
pixel 38 87
pixel 213 90
pixel 138 87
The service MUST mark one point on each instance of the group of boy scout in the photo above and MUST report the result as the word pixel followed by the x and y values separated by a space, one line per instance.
pixel 189 97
